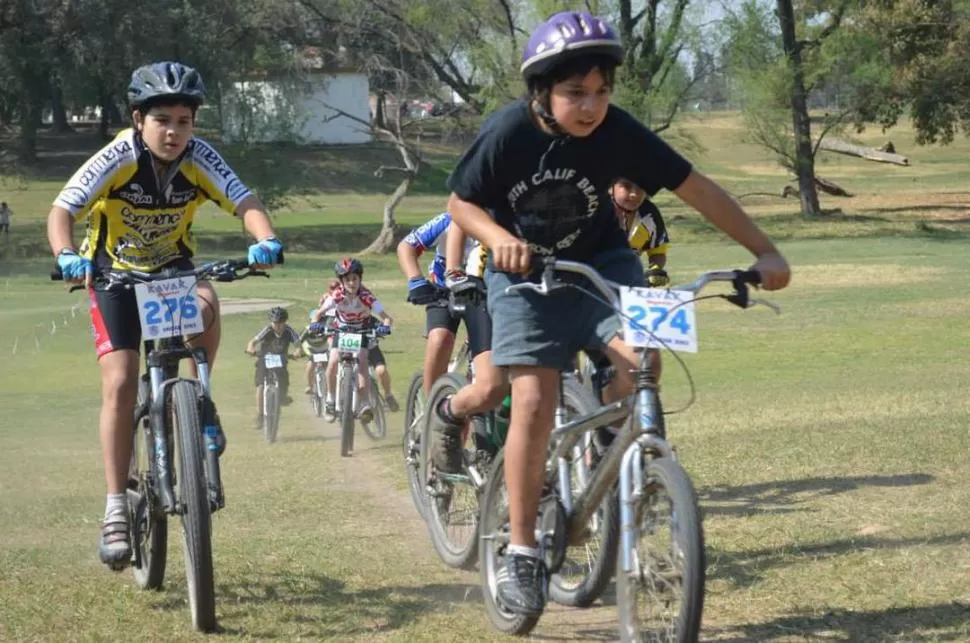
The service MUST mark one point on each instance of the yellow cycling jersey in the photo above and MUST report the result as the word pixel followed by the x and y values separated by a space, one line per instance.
pixel 646 231
pixel 137 221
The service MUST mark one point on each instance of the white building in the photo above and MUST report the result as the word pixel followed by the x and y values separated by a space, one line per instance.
pixel 318 107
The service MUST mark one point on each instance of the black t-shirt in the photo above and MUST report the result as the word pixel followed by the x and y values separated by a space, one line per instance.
pixel 267 341
pixel 553 191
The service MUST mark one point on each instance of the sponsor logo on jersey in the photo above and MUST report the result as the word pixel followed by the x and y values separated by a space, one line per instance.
pixel 104 163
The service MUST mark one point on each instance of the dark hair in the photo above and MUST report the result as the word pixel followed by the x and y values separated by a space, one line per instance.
pixel 540 87
pixel 165 101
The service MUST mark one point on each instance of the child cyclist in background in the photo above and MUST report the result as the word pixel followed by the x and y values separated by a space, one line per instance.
pixel 644 226
pixel 459 265
pixel 277 337
pixel 352 306
pixel 139 195
pixel 536 181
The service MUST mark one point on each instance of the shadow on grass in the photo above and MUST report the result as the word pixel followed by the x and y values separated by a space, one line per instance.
pixel 325 608
pixel 943 622
pixel 744 568
pixel 783 496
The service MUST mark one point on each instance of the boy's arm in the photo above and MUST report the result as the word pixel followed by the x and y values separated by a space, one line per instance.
pixel 509 253
pixel 454 248
pixel 718 207
pixel 407 259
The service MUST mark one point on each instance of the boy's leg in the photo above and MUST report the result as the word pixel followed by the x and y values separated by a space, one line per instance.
pixel 309 374
pixel 441 330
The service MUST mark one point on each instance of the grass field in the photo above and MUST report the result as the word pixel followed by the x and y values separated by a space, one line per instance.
pixel 828 444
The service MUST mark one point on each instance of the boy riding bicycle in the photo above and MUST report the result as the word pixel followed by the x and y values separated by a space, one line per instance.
pixel 353 306
pixel 140 194
pixel 458 265
pixel 276 337
pixel 536 182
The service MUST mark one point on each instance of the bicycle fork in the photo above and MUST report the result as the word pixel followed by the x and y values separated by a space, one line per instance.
pixel 632 482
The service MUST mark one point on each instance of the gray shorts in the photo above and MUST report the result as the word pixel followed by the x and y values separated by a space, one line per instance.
pixel 529 329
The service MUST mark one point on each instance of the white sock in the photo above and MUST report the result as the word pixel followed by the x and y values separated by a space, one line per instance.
pixel 531 552
pixel 329 397
pixel 117 503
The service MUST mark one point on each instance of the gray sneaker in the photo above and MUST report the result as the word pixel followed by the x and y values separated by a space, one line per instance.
pixel 114 550
pixel 521 584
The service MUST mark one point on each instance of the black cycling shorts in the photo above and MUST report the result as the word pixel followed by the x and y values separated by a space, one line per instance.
pixel 283 375
pixel 114 317
pixel 478 324
pixel 375 357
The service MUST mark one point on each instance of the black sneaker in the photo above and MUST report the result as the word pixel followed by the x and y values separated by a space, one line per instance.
pixel 521 584
pixel 445 444
pixel 392 404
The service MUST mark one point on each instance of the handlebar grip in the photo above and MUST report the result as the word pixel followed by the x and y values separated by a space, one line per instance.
pixel 752 277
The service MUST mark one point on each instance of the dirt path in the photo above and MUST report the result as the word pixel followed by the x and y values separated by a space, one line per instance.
pixel 236 306
pixel 370 475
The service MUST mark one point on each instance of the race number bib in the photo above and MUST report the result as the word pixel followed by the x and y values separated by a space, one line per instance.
pixel 320 357
pixel 350 342
pixel 661 312
pixel 168 308
pixel 273 360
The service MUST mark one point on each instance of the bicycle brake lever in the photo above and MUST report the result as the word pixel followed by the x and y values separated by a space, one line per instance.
pixel 527 285
pixel 764 302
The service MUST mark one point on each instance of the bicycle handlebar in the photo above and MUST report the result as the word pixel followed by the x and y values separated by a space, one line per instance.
pixel 224 270
pixel 740 279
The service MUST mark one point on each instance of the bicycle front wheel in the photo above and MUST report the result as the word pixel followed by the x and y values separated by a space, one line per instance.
pixel 411 442
pixel 196 517
pixel 661 596
pixel 150 521
pixel 271 411
pixel 348 384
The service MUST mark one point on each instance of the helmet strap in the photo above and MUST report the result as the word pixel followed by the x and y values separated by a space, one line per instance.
pixel 544 112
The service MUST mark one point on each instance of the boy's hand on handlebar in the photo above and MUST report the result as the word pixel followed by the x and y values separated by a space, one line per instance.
pixel 512 254
pixel 74 268
pixel 774 270
pixel 266 253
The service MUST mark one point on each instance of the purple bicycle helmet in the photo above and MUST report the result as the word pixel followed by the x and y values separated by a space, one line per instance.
pixel 567 35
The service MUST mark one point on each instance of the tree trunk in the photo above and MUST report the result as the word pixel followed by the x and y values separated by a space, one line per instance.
pixel 802 125
pixel 61 124
pixel 385 238
pixel 29 122
pixel 868 153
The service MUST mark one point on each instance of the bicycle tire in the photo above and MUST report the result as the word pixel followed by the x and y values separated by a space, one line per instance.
pixel 458 555
pixel 376 429
pixel 348 383
pixel 320 391
pixel 152 541
pixel 411 441
pixel 688 537
pixel 580 401
pixel 196 515
pixel 493 537
pixel 271 411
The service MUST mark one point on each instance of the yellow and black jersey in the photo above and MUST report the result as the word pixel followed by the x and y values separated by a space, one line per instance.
pixel 646 230
pixel 137 221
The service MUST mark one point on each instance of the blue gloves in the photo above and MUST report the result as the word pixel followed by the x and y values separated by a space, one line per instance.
pixel 73 266
pixel 383 330
pixel 266 252
pixel 317 327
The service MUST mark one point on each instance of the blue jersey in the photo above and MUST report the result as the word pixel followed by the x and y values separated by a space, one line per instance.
pixel 433 234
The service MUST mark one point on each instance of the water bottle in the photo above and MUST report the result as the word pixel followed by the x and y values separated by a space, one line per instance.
pixel 211 435
pixel 502 416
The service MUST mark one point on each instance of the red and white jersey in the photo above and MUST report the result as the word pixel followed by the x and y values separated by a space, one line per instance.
pixel 350 310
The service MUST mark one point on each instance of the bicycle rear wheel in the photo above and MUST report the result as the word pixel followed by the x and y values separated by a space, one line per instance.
pixel 661 597
pixel 196 516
